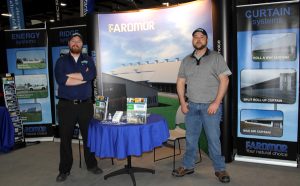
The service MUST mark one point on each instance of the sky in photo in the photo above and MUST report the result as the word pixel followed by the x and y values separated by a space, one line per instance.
pixel 169 35
pixel 261 114
pixel 31 54
pixel 40 79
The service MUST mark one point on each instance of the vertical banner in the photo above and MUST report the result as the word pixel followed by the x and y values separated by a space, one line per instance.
pixel 86 7
pixel 15 8
pixel 27 58
pixel 268 82
pixel 57 10
pixel 58 46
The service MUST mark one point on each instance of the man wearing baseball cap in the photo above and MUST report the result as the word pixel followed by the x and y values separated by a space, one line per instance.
pixel 200 30
pixel 76 34
pixel 205 74
pixel 74 73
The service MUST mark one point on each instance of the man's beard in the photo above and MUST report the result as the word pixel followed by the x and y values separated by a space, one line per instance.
pixel 200 48
pixel 75 50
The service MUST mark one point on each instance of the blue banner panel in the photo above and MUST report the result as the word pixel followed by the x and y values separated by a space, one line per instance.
pixel 15 8
pixel 90 5
pixel 58 43
pixel 27 58
pixel 268 80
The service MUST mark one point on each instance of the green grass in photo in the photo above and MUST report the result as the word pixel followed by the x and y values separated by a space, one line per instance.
pixel 31 116
pixel 26 94
pixel 32 66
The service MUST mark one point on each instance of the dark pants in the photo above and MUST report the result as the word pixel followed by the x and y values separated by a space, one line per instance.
pixel 68 115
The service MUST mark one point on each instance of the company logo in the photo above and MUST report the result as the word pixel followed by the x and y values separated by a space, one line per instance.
pixel 40 130
pixel 131 27
pixel 84 62
pixel 266 146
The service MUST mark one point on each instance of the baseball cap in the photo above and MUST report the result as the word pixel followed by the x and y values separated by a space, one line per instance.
pixel 200 30
pixel 74 35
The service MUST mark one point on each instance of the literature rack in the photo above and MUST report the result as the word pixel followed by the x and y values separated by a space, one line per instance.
pixel 12 105
pixel 137 110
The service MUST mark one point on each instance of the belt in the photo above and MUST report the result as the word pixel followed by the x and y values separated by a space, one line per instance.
pixel 75 101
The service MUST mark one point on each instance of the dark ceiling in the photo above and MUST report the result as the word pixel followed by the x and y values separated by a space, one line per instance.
pixel 36 11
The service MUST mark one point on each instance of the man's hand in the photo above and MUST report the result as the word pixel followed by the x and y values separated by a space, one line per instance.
pixel 213 108
pixel 74 82
pixel 77 76
pixel 184 108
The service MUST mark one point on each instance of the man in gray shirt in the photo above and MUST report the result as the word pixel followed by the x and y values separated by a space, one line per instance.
pixel 205 74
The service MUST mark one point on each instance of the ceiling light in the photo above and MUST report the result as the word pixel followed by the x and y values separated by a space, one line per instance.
pixel 165 4
pixel 63 4
pixel 52 20
pixel 6 14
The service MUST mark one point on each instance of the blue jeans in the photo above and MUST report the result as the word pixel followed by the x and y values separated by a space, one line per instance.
pixel 195 119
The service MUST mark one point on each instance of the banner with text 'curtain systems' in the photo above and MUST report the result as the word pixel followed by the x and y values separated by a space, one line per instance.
pixel 268 80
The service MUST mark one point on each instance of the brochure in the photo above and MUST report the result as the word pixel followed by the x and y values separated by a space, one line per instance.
pixel 101 105
pixel 137 110
pixel 117 116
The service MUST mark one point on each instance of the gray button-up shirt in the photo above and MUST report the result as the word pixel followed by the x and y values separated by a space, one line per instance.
pixel 202 80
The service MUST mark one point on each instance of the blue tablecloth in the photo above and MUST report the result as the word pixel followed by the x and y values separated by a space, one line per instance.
pixel 120 141
pixel 7 131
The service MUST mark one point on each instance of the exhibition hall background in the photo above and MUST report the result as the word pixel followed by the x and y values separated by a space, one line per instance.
pixel 260 118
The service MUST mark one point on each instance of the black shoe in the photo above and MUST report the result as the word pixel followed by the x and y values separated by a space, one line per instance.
pixel 181 171
pixel 62 177
pixel 223 176
pixel 95 170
